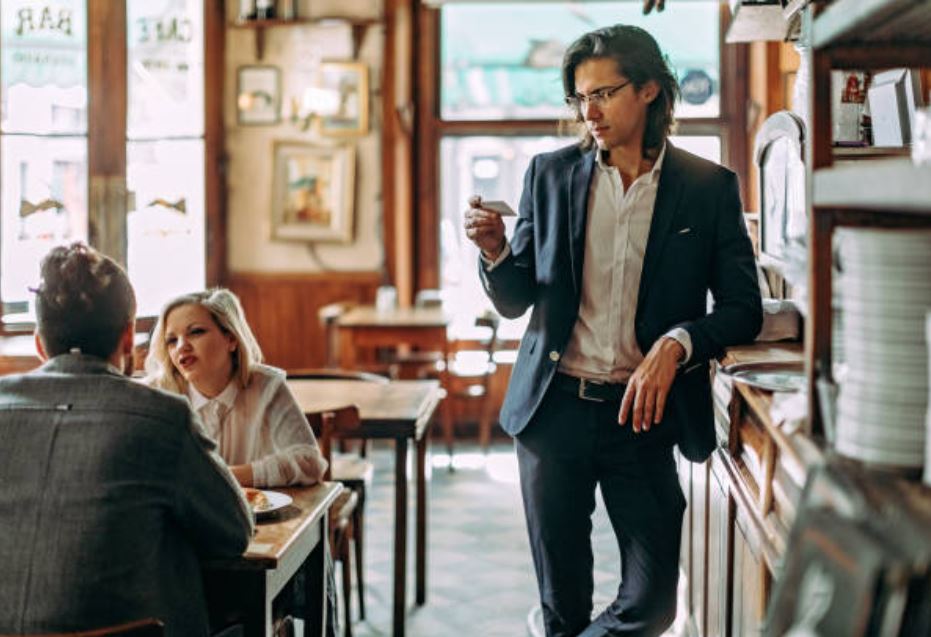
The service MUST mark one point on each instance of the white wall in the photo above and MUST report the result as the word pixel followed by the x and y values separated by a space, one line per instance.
pixel 297 51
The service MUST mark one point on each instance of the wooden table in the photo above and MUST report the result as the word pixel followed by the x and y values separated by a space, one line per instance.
pixel 18 354
pixel 242 590
pixel 364 328
pixel 400 411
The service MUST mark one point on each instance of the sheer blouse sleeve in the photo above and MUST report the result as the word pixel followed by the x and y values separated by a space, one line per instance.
pixel 293 454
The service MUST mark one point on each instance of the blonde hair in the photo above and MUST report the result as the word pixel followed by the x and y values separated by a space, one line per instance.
pixel 227 313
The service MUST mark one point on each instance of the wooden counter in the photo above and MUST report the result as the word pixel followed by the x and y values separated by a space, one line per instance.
pixel 742 501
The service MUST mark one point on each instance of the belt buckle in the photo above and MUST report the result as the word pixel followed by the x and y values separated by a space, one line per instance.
pixel 583 384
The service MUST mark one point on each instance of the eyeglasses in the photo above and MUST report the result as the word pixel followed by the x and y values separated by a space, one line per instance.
pixel 598 98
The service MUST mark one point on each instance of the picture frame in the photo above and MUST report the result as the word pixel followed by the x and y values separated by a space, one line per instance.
pixel 313 190
pixel 350 82
pixel 258 95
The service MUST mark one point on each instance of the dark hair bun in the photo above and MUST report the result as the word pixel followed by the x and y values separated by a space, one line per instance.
pixel 85 301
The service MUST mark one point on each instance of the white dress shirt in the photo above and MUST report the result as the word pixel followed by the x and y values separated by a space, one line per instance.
pixel 603 344
pixel 262 425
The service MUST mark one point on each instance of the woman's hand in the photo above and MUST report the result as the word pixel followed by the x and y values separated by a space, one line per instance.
pixel 243 474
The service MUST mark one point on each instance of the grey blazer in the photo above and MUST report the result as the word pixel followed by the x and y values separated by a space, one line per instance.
pixel 109 497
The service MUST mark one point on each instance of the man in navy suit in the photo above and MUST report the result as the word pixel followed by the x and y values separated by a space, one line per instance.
pixel 618 241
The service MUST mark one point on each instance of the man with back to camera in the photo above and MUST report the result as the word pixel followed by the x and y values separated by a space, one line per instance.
pixel 618 240
pixel 109 492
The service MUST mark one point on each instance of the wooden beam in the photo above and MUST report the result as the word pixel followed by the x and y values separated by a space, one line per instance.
pixel 215 161
pixel 427 153
pixel 398 148
pixel 106 129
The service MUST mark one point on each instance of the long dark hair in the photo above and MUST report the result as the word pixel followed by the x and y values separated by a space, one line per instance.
pixel 85 301
pixel 639 59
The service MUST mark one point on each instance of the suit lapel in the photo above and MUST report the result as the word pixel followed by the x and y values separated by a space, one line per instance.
pixel 664 211
pixel 580 181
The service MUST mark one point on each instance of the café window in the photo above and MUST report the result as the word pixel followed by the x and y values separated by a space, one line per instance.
pixel 499 101
pixel 143 201
pixel 501 61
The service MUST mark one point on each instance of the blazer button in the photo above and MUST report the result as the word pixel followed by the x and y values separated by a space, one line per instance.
pixel 554 356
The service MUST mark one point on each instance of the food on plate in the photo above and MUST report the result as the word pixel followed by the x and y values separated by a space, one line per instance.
pixel 257 500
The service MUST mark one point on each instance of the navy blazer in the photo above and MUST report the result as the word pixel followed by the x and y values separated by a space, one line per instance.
pixel 698 242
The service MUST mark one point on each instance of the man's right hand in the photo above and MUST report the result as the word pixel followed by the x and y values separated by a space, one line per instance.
pixel 485 229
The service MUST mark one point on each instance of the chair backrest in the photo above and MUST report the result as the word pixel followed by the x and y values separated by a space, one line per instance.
pixel 337 374
pixel 491 321
pixel 332 425
pixel 141 628
pixel 328 315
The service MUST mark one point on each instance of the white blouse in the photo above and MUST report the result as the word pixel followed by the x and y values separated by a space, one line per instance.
pixel 262 425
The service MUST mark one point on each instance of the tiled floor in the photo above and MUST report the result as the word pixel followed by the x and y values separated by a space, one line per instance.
pixel 480 580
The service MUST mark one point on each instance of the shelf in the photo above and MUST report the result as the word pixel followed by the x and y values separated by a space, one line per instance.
pixel 276 22
pixel 875 184
pixel 873 21
pixel 359 27
pixel 757 21
pixel 843 153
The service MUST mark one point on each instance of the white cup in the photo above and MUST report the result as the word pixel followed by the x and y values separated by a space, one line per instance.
pixel 927 476
pixel 386 298
pixel 921 137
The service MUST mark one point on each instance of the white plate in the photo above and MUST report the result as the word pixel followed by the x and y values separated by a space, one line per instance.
pixel 883 440
pixel 867 454
pixel 888 378
pixel 882 240
pixel 870 416
pixel 276 502
pixel 856 391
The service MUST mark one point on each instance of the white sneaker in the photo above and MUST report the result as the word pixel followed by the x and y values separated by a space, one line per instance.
pixel 535 627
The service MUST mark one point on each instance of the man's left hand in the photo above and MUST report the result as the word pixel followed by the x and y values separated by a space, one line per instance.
pixel 645 397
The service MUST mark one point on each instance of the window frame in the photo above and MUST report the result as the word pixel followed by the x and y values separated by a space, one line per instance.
pixel 730 125
pixel 107 86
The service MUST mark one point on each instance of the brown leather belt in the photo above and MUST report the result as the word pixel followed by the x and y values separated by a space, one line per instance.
pixel 588 389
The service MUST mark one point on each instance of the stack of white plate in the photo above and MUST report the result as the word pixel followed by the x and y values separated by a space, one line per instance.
pixel 885 292
pixel 928 418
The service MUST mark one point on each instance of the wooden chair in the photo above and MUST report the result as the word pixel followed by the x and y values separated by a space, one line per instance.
pixel 140 628
pixel 471 370
pixel 346 514
pixel 340 374
pixel 328 315
pixel 470 375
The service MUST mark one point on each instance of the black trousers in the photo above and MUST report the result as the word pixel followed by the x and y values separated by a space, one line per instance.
pixel 570 447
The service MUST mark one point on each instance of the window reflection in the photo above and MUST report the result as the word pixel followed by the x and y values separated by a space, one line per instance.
pixel 502 60
pixel 44 67
pixel 44 204
pixel 166 230
pixel 165 47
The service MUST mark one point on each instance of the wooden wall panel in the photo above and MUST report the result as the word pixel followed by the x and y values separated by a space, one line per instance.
pixel 282 310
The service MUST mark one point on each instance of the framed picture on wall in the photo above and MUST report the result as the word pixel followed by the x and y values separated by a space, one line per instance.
pixel 349 83
pixel 312 192
pixel 258 95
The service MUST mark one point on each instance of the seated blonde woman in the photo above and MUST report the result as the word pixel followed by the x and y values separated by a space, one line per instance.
pixel 202 347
